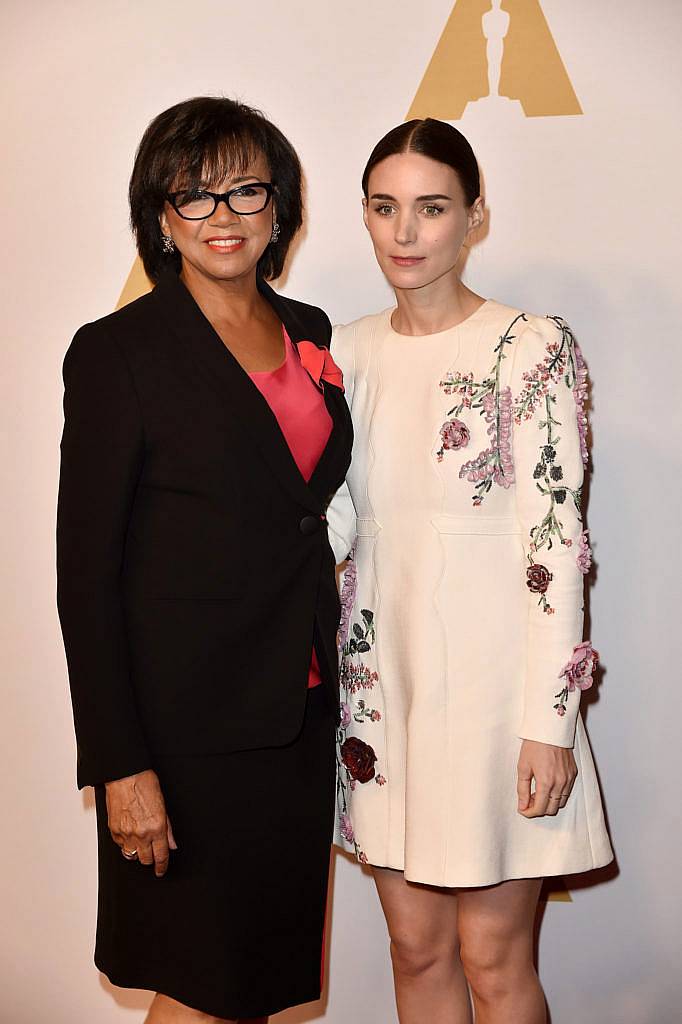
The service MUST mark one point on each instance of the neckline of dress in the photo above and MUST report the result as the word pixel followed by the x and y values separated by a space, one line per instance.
pixel 436 334
pixel 288 343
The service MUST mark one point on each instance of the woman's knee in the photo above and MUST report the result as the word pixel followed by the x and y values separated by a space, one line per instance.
pixel 493 963
pixel 414 955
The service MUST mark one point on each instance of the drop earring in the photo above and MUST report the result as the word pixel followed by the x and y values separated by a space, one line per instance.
pixel 167 244
pixel 275 231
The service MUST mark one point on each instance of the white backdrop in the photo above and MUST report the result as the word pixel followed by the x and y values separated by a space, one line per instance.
pixel 584 221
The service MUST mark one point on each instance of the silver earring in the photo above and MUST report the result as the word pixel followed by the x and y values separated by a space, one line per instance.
pixel 275 231
pixel 167 244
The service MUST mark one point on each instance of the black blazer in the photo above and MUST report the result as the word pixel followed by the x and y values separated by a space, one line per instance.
pixel 194 569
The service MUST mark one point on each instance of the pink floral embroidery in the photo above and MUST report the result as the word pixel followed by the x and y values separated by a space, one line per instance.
pixel 318 361
pixel 347 598
pixel 346 826
pixel 560 365
pixel 584 556
pixel 357 761
pixel 494 465
pixel 454 435
pixel 538 381
pixel 580 394
pixel 577 673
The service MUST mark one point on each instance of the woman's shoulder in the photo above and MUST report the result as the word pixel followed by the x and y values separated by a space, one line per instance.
pixel 121 320
pixel 362 329
pixel 534 334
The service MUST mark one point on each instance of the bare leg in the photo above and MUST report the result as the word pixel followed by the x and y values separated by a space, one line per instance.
pixel 422 923
pixel 165 1010
pixel 496 934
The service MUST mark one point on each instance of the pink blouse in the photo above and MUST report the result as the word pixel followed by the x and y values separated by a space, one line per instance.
pixel 303 418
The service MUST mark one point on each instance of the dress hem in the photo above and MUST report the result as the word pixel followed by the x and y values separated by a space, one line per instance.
pixel 213 1010
pixel 598 862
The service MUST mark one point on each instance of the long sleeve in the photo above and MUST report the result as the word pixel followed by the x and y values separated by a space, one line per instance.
pixel 101 459
pixel 549 450
pixel 341 512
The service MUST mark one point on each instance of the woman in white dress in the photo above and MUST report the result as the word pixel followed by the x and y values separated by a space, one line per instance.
pixel 465 775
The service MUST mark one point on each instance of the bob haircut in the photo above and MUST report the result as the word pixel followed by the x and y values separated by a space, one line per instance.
pixel 200 142
pixel 439 141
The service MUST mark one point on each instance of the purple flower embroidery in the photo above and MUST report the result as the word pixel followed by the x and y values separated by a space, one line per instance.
pixel 494 464
pixel 577 673
pixel 347 598
pixel 346 826
pixel 345 715
pixel 584 556
pixel 580 396
pixel 454 435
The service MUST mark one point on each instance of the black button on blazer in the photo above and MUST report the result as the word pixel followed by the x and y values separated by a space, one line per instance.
pixel 194 570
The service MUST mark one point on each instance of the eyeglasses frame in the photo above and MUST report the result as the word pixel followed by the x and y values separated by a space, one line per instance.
pixel 224 197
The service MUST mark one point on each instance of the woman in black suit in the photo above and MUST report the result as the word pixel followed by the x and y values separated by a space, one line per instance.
pixel 196 583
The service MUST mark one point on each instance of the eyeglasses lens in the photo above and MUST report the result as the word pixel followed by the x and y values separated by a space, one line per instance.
pixel 195 204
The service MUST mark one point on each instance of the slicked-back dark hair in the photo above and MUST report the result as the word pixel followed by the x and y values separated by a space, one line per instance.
pixel 437 140
pixel 201 141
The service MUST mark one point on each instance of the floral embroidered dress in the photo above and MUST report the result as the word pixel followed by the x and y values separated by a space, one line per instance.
pixel 462 604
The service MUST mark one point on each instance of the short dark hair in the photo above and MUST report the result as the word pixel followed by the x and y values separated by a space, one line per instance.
pixel 202 140
pixel 437 140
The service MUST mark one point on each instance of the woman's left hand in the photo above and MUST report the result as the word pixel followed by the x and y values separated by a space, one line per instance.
pixel 554 770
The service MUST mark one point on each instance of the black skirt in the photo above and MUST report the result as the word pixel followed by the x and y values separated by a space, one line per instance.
pixel 235 927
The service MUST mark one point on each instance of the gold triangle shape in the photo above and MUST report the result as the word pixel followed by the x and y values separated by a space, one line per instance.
pixel 136 285
pixel 555 890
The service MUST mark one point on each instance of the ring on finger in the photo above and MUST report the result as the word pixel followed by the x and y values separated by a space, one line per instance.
pixel 129 854
pixel 556 797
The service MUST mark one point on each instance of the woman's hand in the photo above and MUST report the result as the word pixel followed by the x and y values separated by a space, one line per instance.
pixel 137 820
pixel 554 770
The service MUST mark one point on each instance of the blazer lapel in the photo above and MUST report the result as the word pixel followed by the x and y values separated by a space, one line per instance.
pixel 186 320
pixel 335 459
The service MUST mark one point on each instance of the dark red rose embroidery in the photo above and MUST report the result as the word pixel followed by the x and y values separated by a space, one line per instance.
pixel 539 578
pixel 359 759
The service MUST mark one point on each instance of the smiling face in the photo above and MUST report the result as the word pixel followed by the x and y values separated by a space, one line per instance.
pixel 227 245
pixel 417 218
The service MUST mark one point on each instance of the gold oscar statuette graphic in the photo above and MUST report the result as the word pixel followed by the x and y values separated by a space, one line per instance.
pixel 500 52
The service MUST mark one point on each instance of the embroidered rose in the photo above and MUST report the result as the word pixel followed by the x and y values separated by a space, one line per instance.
pixel 346 827
pixel 454 435
pixel 584 556
pixel 579 670
pixel 538 578
pixel 319 364
pixel 359 759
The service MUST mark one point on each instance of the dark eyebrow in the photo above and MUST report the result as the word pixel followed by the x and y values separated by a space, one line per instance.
pixel 419 199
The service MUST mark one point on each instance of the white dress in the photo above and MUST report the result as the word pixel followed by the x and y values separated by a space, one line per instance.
pixel 462 605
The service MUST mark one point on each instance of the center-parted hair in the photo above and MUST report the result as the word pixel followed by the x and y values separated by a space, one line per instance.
pixel 437 140
pixel 200 142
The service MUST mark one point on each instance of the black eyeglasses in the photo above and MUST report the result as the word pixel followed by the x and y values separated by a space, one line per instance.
pixel 198 204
